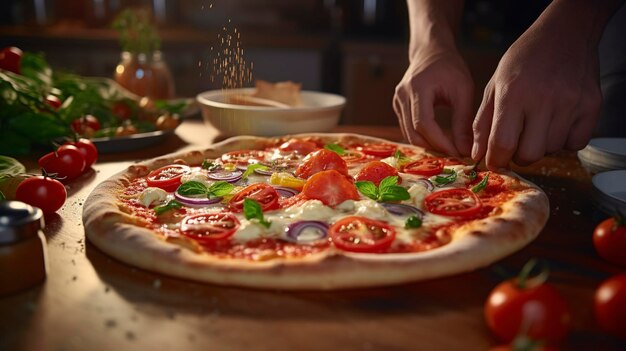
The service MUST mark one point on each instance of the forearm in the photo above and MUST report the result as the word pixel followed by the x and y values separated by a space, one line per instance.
pixel 433 23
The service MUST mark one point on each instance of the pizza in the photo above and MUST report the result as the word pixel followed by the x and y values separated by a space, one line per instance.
pixel 315 211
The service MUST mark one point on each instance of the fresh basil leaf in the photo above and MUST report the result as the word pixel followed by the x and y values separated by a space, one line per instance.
pixel 172 205
pixel 220 188
pixel 368 189
pixel 10 167
pixel 192 188
pixel 388 181
pixel 482 185
pixel 335 148
pixel 413 222
pixel 209 166
pixel 450 177
pixel 400 158
pixel 393 193
pixel 251 169
pixel 252 210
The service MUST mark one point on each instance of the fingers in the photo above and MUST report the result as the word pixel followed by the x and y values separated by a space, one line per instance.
pixel 482 124
pixel 582 129
pixel 423 110
pixel 506 128
pixel 462 119
pixel 532 142
pixel 401 105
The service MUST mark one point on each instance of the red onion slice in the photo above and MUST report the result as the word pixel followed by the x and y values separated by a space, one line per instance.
pixel 228 176
pixel 265 172
pixel 286 192
pixel 195 201
pixel 426 183
pixel 306 231
pixel 403 210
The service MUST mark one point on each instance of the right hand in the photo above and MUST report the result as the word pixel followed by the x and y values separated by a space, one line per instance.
pixel 436 77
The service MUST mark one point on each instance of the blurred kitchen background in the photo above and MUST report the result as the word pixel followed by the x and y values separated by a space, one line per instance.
pixel 357 48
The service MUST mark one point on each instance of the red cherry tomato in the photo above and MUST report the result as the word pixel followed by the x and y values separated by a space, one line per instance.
pixel 67 162
pixel 381 150
pixel 54 102
pixel 538 311
pixel 321 160
pixel 44 192
pixel 301 147
pixel 609 238
pixel 426 167
pixel 453 202
pixel 610 305
pixel 11 59
pixel 330 187
pixel 243 157
pixel 122 110
pixel 85 125
pixel 168 177
pixel 209 227
pixel 361 234
pixel 264 194
pixel 376 171
pixel 87 149
pixel 353 156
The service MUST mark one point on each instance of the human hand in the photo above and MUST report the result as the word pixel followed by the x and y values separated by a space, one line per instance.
pixel 543 97
pixel 436 77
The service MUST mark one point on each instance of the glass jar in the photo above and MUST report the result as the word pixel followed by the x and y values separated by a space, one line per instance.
pixel 145 75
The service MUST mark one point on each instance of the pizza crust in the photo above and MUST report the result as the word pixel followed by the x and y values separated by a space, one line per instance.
pixel 474 245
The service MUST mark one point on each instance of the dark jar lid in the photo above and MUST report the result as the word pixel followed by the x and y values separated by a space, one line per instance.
pixel 19 221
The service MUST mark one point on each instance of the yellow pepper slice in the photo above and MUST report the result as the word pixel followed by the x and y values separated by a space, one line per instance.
pixel 287 180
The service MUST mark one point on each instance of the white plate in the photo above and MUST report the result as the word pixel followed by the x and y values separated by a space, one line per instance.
pixel 604 154
pixel 610 191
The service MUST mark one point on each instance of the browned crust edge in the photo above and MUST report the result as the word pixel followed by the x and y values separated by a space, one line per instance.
pixel 474 246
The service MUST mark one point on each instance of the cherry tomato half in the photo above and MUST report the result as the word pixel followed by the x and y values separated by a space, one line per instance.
pixel 168 177
pixel 209 227
pixel 330 187
pixel 122 110
pixel 11 59
pixel 301 147
pixel 610 305
pixel 87 148
pixel 263 193
pixel 381 150
pixel 609 238
pixel 321 160
pixel 67 162
pixel 53 102
pixel 44 192
pixel 539 312
pixel 361 234
pixel 426 167
pixel 453 202
pixel 376 171
pixel 243 157
pixel 85 125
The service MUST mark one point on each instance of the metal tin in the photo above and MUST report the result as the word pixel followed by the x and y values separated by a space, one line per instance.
pixel 22 247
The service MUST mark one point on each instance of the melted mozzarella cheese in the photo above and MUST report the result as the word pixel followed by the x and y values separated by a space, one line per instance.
pixel 152 196
pixel 197 176
pixel 392 161
pixel 418 192
pixel 311 210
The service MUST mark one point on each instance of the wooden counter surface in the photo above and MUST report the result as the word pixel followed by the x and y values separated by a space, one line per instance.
pixel 93 302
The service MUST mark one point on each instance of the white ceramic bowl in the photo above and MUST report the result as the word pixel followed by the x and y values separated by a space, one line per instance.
pixel 319 112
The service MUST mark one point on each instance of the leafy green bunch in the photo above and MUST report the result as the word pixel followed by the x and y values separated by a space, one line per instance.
pixel 136 32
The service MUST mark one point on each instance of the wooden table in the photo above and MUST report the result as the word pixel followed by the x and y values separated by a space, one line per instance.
pixel 93 302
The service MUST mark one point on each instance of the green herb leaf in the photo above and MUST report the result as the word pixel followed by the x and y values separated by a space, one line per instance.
pixel 482 185
pixel 388 181
pixel 192 188
pixel 400 158
pixel 10 167
pixel 253 210
pixel 390 191
pixel 450 177
pixel 172 205
pixel 335 148
pixel 413 222
pixel 210 166
pixel 368 189
pixel 220 188
pixel 251 169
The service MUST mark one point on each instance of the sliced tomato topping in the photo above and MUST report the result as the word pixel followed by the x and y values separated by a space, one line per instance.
pixel 451 161
pixel 376 171
pixel 495 183
pixel 427 167
pixel 453 203
pixel 321 160
pixel 302 147
pixel 353 156
pixel 264 194
pixel 243 157
pixel 381 150
pixel 168 177
pixel 330 187
pixel 361 234
pixel 208 227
